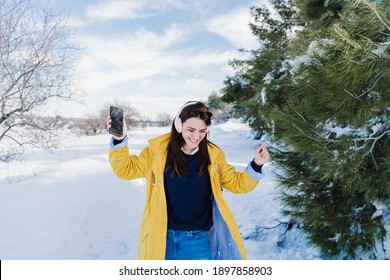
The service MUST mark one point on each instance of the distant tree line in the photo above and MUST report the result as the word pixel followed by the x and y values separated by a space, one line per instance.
pixel 96 124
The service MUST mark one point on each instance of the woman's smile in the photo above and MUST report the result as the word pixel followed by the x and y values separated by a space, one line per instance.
pixel 194 131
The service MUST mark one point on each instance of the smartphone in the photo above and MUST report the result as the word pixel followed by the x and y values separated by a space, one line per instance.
pixel 116 115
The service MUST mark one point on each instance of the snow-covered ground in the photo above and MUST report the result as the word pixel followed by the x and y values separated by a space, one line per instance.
pixel 70 205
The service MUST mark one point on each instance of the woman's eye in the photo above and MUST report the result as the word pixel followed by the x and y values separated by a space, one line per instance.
pixel 200 131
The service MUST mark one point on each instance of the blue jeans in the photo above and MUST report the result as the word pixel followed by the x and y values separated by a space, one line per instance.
pixel 188 245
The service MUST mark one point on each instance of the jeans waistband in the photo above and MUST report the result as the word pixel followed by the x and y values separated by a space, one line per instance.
pixel 189 232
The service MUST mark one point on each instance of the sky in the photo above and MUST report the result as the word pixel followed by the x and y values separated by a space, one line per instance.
pixel 154 55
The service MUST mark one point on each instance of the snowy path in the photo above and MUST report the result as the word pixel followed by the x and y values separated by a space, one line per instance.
pixel 75 208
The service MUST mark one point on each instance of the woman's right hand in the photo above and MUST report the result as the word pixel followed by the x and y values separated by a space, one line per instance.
pixel 124 129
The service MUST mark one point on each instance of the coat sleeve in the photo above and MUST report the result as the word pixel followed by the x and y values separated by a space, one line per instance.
pixel 237 182
pixel 127 166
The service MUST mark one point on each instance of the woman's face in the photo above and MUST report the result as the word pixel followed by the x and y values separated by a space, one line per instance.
pixel 194 130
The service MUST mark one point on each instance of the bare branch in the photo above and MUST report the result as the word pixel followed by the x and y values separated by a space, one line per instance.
pixel 36 59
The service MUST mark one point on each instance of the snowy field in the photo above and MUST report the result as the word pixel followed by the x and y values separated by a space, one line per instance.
pixel 70 205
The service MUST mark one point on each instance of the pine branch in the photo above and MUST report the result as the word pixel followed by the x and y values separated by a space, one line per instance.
pixel 296 111
pixel 365 139
pixel 345 36
pixel 373 144
pixel 367 91
pixel 375 11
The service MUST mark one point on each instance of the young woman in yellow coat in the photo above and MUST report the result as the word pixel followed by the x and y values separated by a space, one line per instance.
pixel 186 216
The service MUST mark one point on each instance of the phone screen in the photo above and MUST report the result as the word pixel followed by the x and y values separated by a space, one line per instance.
pixel 116 115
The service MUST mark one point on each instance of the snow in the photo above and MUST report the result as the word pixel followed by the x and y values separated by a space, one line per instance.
pixel 381 51
pixel 331 126
pixel 70 205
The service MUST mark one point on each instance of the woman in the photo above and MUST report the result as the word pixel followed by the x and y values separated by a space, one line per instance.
pixel 186 216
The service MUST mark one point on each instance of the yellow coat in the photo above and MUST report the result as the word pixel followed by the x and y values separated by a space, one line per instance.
pixel 225 238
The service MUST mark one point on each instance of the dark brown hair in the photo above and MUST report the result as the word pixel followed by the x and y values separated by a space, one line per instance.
pixel 175 159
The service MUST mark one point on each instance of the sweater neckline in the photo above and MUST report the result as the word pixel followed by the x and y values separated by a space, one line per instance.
pixel 192 153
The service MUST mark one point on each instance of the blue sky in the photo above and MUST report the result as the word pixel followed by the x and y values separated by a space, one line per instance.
pixel 154 55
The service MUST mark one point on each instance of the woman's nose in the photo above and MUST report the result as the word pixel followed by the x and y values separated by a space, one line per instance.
pixel 196 135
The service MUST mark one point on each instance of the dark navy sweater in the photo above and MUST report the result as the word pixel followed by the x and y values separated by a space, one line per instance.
pixel 188 198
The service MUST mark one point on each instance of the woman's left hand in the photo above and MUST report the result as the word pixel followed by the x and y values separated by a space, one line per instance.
pixel 261 155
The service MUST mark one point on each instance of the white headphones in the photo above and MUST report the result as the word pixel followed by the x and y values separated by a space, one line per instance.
pixel 178 122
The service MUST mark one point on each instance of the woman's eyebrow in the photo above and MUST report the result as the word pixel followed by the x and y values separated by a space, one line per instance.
pixel 195 128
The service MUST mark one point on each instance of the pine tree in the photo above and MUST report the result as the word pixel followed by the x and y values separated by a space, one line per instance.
pixel 324 98
pixel 273 29
pixel 335 125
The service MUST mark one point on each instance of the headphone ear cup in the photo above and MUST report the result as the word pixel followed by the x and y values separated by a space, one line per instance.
pixel 178 124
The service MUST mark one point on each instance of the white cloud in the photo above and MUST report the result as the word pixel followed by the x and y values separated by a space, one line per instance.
pixel 145 70
pixel 152 70
pixel 129 9
pixel 119 9
pixel 234 27
pixel 142 55
pixel 74 22
pixel 174 34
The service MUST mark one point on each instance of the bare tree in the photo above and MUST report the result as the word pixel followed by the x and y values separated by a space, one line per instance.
pixel 164 119
pixel 91 125
pixel 36 58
